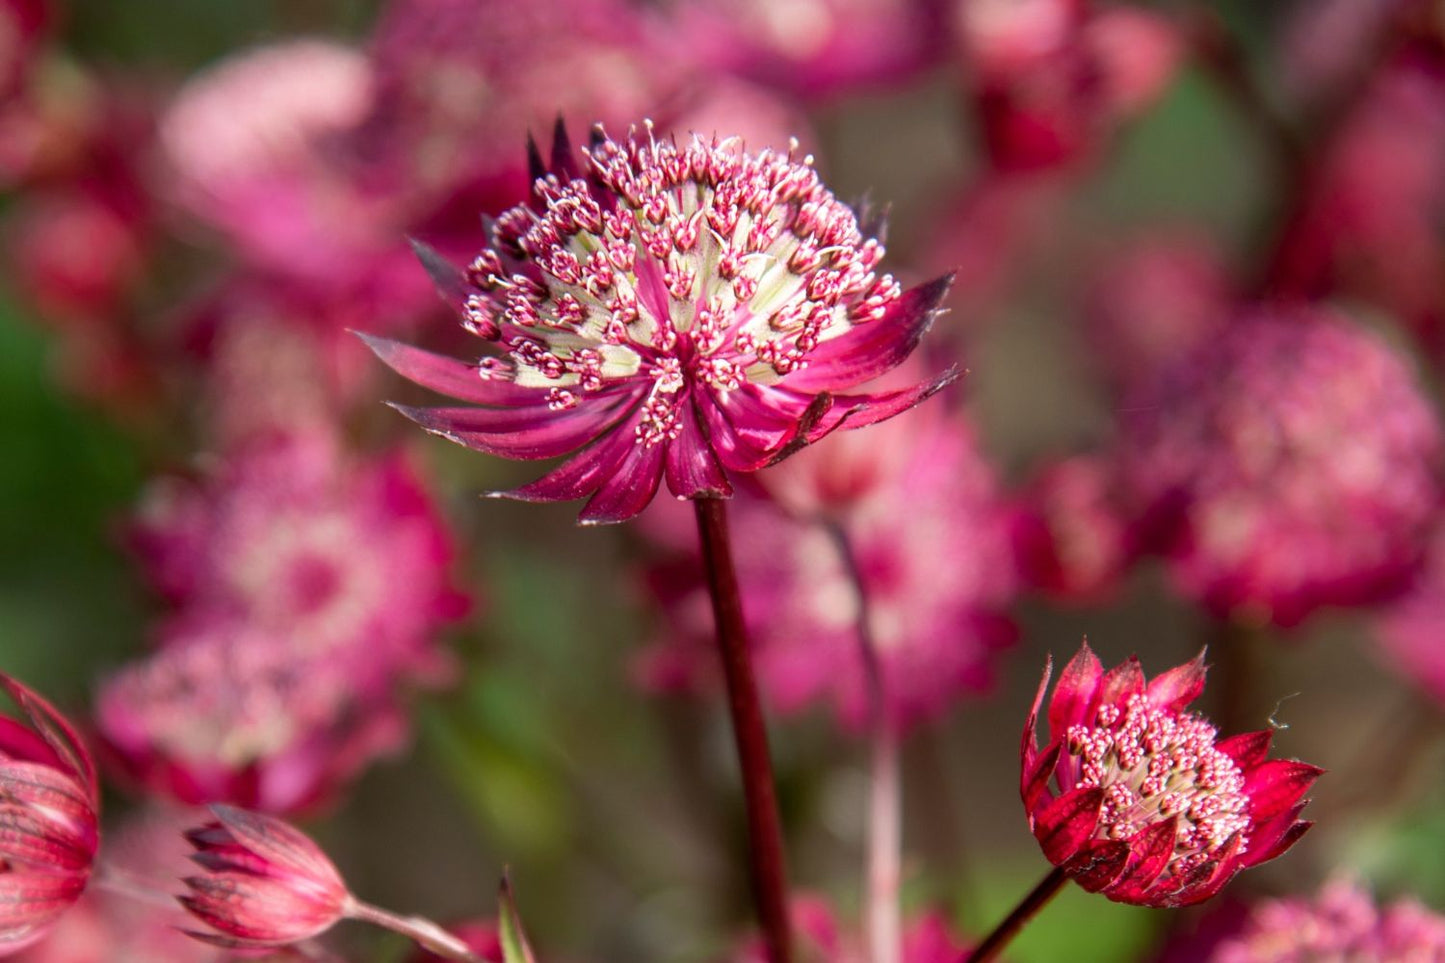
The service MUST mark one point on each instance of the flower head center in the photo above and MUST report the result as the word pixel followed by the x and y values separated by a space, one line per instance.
pixel 1153 764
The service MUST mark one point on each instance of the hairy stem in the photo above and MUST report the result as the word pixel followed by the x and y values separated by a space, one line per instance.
pixel 418 929
pixel 765 834
pixel 1037 899
pixel 884 870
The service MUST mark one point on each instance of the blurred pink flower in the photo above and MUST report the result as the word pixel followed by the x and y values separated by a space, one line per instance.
pixel 1411 629
pixel 263 883
pixel 813 48
pixel 1052 77
pixel 22 29
pixel 1289 464
pixel 51 818
pixel 1342 923
pixel 926 940
pixel 309 591
pixel 252 148
pixel 146 850
pixel 1150 806
pixel 932 539
pixel 1153 302
pixel 1372 221
pixel 74 253
pixel 461 82
pixel 684 312
pixel 1073 536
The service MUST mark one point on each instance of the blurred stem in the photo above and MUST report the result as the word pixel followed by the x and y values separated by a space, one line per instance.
pixel 765 834
pixel 1037 899
pixel 418 929
pixel 884 871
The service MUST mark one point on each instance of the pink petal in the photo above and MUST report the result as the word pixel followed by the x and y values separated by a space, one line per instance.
pixel 693 470
pixel 860 411
pixel 629 489
pixel 1029 747
pixel 449 376
pixel 583 473
pixel 524 433
pixel 1067 823
pixel 279 844
pixel 1178 687
pixel 1279 839
pixel 58 734
pixel 450 284
pixel 873 348
pixel 1036 776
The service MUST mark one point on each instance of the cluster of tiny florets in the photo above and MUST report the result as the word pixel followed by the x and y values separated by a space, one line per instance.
pixel 1153 765
pixel 702 264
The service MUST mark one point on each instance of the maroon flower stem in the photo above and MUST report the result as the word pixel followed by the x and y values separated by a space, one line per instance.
pixel 883 876
pixel 765 832
pixel 419 930
pixel 1037 899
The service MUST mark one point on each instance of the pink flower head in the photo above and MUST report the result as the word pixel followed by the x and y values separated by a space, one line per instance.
pixel 251 145
pixel 934 553
pixel 51 814
pixel 309 592
pixel 1150 806
pixel 671 311
pixel 265 884
pixel 1052 76
pixel 1289 464
pixel 1154 302
pixel 1342 923
pixel 1074 541
pixel 811 48
pixel 926 939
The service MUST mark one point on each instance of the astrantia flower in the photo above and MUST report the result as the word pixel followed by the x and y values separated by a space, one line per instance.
pixel 931 535
pixel 1342 924
pixel 265 884
pixel 309 590
pixel 675 311
pixel 1148 805
pixel 1073 539
pixel 1411 630
pixel 50 814
pixel 1289 464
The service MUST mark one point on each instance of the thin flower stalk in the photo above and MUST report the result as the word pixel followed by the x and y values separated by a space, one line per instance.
pixel 766 858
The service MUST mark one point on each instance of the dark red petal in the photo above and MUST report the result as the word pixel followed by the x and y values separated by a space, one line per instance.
pixel 1209 877
pixel 747 427
pixel 629 489
pixel 449 376
pixel 693 470
pixel 1271 838
pixel 528 434
pixel 1277 784
pixel 450 284
pixel 1150 850
pixel 1035 781
pixel 1121 682
pixel 1029 746
pixel 1098 864
pixel 873 348
pixel 1247 749
pixel 564 158
pixel 1075 692
pixel 1065 824
pixel 1180 686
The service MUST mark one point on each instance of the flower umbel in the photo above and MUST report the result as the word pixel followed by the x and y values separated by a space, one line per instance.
pixel 675 311
pixel 48 821
pixel 1151 807
pixel 266 884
